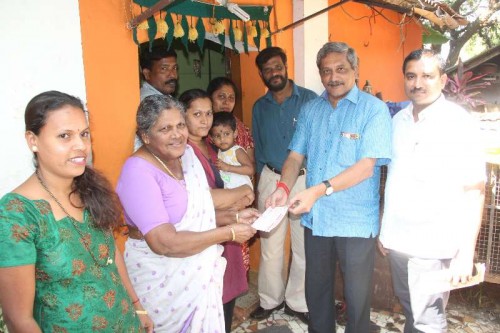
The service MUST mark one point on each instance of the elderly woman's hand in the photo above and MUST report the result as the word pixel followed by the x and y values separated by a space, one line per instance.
pixel 248 215
pixel 242 232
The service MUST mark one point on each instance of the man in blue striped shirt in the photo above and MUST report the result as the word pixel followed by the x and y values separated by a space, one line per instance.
pixel 345 137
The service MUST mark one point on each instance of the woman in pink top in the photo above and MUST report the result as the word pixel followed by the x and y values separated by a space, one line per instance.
pixel 172 255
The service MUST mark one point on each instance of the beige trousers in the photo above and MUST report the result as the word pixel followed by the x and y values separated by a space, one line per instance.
pixel 273 288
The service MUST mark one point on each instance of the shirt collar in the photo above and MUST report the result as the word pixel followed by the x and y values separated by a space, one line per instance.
pixel 295 91
pixel 425 113
pixel 352 96
pixel 150 86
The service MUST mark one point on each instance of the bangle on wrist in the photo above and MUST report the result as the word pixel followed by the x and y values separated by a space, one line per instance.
pixel 141 312
pixel 232 233
pixel 237 217
pixel 135 302
pixel 284 187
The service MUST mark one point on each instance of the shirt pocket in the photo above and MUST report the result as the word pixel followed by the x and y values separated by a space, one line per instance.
pixel 346 153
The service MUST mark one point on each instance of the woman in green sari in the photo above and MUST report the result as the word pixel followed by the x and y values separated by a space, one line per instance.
pixel 59 268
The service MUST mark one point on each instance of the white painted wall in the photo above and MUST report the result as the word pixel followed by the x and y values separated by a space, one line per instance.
pixel 308 38
pixel 41 50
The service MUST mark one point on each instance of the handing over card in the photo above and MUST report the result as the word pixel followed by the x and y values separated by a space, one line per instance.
pixel 270 218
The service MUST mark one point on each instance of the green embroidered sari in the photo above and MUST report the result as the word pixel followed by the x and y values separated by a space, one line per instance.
pixel 72 293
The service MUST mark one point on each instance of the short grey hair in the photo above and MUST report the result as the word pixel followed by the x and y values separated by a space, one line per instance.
pixel 338 47
pixel 150 110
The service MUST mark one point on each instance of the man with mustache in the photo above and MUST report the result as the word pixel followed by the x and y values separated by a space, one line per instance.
pixel 159 73
pixel 159 69
pixel 274 120
pixel 344 138
pixel 434 193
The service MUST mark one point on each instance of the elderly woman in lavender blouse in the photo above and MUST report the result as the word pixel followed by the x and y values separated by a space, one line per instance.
pixel 172 254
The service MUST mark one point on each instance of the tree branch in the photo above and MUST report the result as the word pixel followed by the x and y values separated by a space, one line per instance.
pixel 457 4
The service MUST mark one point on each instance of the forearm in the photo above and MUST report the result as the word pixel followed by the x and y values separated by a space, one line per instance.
pixel 226 198
pixel 473 217
pixel 225 216
pixel 355 174
pixel 290 171
pixel 187 243
pixel 21 325
pixel 247 170
pixel 122 271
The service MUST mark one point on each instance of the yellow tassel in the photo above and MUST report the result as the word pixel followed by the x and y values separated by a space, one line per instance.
pixel 192 35
pixel 143 26
pixel 238 34
pixel 162 27
pixel 178 31
pixel 264 33
pixel 252 31
pixel 218 28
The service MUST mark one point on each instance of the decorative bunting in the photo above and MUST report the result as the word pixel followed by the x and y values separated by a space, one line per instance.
pixel 170 33
pixel 237 30
pixel 134 36
pixel 151 31
pixel 200 27
pixel 231 36
pixel 256 39
pixel 162 27
pixel 185 28
pixel 245 38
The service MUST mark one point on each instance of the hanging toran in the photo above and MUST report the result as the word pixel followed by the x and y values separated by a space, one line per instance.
pixel 173 22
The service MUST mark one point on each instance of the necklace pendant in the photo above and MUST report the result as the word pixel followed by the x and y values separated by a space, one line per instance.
pixel 109 262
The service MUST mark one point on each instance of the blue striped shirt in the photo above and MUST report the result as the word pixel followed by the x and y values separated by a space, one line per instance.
pixel 333 140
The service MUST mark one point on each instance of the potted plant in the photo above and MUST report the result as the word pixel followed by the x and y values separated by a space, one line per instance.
pixel 463 88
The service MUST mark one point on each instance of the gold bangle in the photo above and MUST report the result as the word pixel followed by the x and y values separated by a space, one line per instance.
pixel 141 312
pixel 232 233
pixel 237 217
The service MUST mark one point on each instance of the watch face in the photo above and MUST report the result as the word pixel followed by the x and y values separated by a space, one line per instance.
pixel 329 190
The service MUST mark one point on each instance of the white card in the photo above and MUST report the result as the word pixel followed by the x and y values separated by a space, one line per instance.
pixel 270 218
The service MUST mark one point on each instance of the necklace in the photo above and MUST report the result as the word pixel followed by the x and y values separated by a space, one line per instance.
pixel 166 167
pixel 85 241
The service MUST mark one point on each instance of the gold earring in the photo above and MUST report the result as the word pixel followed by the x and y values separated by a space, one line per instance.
pixel 34 149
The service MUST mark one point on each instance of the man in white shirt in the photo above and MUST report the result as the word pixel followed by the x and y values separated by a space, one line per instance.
pixel 434 192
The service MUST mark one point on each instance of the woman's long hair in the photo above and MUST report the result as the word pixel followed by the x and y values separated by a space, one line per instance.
pixel 95 191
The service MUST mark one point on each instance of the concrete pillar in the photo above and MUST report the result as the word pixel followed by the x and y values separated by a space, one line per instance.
pixel 308 38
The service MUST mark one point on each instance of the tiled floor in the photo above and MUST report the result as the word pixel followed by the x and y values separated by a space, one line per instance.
pixel 462 318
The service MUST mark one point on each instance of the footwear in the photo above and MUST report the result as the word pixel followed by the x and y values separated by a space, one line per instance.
pixel 302 316
pixel 261 313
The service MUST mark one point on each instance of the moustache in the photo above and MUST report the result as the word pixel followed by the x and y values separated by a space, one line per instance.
pixel 277 77
pixel 171 81
pixel 415 90
pixel 335 83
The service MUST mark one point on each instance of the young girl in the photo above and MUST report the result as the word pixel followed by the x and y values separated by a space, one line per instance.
pixel 234 164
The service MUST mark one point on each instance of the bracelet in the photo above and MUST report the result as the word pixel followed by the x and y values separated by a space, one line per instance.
pixel 232 233
pixel 284 187
pixel 135 302
pixel 237 217
pixel 140 312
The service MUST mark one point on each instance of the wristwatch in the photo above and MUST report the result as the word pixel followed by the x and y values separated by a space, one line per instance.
pixel 329 188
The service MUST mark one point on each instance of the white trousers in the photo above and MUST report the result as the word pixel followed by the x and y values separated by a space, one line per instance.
pixel 273 288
